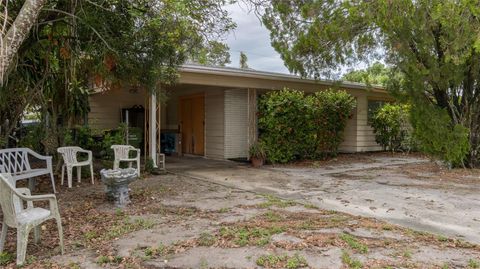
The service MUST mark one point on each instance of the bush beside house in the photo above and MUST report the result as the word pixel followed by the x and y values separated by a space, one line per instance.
pixel 392 128
pixel 297 126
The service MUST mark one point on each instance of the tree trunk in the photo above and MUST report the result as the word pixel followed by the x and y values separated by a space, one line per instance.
pixel 16 34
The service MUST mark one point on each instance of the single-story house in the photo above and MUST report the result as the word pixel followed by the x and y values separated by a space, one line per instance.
pixel 212 112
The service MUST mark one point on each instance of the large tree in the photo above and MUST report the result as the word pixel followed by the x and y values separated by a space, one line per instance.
pixel 13 33
pixel 108 44
pixel 435 44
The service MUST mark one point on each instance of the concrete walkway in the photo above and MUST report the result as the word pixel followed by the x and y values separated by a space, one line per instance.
pixel 377 186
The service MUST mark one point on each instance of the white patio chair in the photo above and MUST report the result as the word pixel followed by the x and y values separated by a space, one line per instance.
pixel 122 155
pixel 69 155
pixel 15 161
pixel 15 215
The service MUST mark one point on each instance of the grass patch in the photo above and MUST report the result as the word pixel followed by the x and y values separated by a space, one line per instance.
pixel 206 239
pixel 272 216
pixel 6 258
pixel 109 259
pixel 473 263
pixel 151 252
pixel 310 206
pixel 224 210
pixel 243 236
pixel 351 262
pixel 354 243
pixel 282 261
pixel 128 226
pixel 277 202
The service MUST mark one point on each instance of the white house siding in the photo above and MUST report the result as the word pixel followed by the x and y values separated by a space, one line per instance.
pixel 106 107
pixel 236 123
pixel 214 124
pixel 349 143
pixel 365 135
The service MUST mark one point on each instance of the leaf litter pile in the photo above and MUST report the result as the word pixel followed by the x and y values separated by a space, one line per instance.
pixel 284 233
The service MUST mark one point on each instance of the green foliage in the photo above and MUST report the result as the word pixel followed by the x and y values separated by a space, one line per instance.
pixel 437 136
pixel 434 61
pixel 32 137
pixel 6 258
pixel 391 125
pixel 376 74
pixel 149 165
pixel 295 126
pixel 214 54
pixel 282 261
pixel 473 263
pixel 354 243
pixel 109 45
pixel 351 262
pixel 330 111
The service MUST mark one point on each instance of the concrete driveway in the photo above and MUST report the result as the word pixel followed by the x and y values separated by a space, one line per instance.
pixel 408 191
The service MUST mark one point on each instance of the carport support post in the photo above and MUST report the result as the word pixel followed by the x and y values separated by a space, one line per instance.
pixel 153 129
pixel 252 118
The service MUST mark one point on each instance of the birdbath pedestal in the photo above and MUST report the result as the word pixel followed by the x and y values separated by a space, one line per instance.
pixel 116 184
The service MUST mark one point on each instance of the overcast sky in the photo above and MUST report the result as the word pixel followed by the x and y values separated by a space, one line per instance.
pixel 253 39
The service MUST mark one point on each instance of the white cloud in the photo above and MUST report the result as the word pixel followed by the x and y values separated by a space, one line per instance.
pixel 253 39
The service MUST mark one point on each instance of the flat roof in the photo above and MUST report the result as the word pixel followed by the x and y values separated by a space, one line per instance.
pixel 252 73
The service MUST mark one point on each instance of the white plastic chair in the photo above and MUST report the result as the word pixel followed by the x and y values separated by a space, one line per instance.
pixel 69 155
pixel 15 215
pixel 161 161
pixel 122 155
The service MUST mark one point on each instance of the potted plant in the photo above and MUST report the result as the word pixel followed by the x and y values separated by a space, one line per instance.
pixel 257 154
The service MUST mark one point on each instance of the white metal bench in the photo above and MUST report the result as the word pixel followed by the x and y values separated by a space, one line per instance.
pixel 16 162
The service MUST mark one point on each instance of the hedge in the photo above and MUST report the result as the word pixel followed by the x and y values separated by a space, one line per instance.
pixel 297 126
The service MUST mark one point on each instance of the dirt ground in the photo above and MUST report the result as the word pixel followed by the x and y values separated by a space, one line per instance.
pixel 177 221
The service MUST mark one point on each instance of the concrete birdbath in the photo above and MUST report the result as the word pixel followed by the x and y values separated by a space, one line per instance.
pixel 116 184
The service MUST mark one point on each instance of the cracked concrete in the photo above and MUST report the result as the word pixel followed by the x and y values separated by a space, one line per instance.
pixel 376 186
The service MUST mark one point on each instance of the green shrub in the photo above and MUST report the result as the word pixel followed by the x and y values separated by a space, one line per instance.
pixel 297 126
pixel 437 136
pixel 330 112
pixel 32 138
pixel 391 125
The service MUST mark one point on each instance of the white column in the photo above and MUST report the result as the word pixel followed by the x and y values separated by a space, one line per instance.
pixel 153 129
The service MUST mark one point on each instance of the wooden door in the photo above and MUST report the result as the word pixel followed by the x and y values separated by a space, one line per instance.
pixel 192 124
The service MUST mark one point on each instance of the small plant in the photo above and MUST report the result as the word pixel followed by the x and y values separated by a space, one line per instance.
pixel 89 235
pixel 275 201
pixel 354 243
pixel 351 262
pixel 258 153
pixel 243 236
pixel 151 252
pixel 257 150
pixel 149 165
pixel 282 261
pixel 473 263
pixel 206 239
pixel 6 258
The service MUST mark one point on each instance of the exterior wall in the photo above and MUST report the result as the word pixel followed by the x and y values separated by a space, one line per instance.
pixel 214 124
pixel 236 123
pixel 106 107
pixel 365 135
